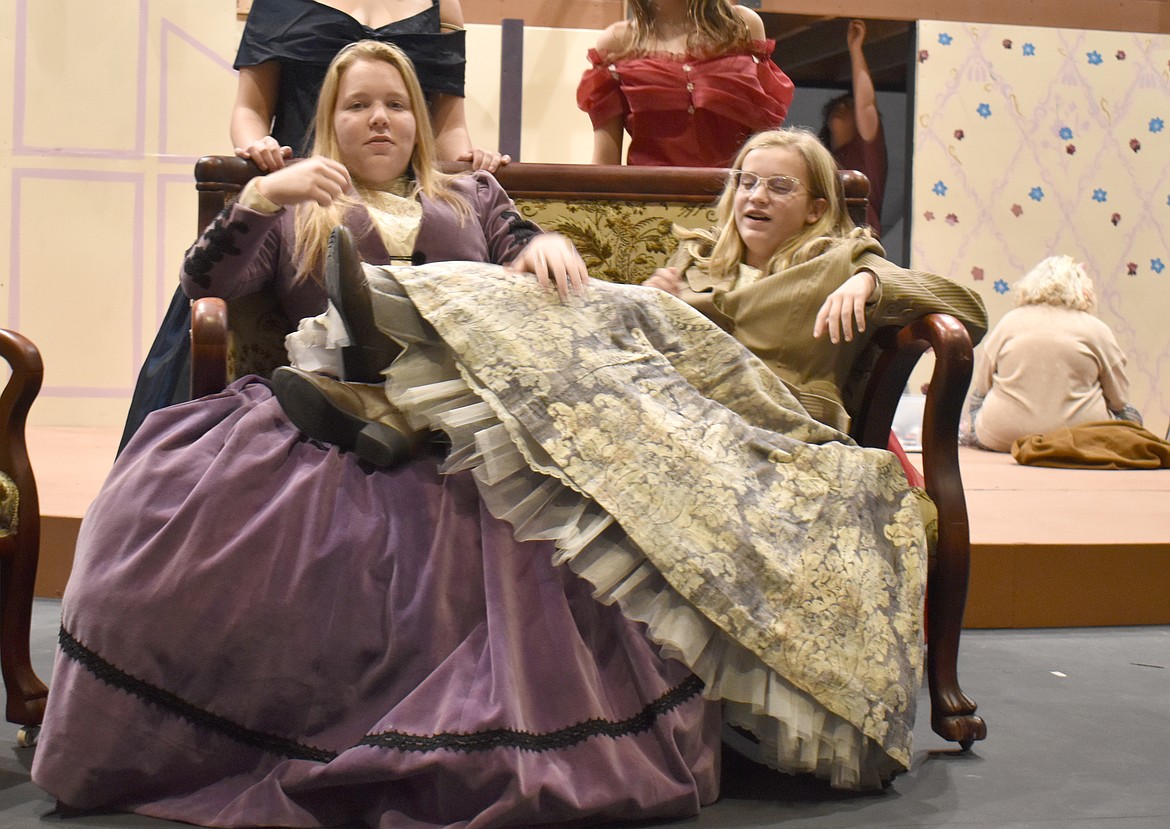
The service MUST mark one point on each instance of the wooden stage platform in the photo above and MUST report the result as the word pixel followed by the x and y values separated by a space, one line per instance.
pixel 1050 547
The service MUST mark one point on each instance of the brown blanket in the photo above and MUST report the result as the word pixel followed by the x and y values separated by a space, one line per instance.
pixel 1104 444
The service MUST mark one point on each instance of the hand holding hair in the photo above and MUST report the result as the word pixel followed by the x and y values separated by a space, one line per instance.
pixel 317 179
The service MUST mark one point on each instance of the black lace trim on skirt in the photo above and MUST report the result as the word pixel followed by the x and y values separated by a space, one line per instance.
pixel 549 740
pixel 453 741
pixel 151 694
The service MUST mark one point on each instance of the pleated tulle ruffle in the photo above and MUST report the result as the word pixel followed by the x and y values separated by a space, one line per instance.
pixel 520 485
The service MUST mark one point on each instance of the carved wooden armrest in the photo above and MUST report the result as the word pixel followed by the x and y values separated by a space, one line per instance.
pixel 209 346
pixel 20 543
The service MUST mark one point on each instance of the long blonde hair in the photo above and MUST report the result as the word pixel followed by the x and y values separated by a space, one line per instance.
pixel 314 223
pixel 720 250
pixel 715 28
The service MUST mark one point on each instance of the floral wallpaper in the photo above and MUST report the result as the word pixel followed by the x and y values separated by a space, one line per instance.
pixel 1030 142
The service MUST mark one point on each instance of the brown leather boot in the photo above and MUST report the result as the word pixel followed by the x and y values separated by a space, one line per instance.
pixel 355 417
pixel 370 350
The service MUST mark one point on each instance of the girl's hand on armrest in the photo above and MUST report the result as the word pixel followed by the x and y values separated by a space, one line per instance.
pixel 552 258
pixel 266 153
pixel 666 279
pixel 317 179
pixel 844 306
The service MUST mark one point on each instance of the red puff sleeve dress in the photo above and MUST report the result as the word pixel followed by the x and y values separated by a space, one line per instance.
pixel 687 111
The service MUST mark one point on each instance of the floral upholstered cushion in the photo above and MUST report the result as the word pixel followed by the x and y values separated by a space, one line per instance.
pixel 619 241
pixel 9 506
pixel 258 327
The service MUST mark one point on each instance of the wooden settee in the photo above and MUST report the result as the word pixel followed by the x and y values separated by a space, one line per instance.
pixel 620 218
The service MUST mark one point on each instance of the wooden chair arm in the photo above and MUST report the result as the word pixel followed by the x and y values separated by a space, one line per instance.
pixel 209 346
pixel 953 365
pixel 20 546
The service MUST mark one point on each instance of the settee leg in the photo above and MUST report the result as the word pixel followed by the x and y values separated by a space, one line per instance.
pixel 952 713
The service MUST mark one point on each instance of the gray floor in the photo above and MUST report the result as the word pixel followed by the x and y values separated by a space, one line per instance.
pixel 1079 732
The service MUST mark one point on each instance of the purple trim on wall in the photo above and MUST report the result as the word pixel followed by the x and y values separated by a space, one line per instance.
pixel 168 28
pixel 19 102
pixel 138 180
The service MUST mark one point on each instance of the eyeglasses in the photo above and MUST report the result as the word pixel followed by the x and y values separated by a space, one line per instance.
pixel 776 185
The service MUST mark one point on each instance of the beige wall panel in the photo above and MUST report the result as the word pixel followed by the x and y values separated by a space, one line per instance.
pixel 554 129
pixel 482 86
pixel 176 233
pixel 196 85
pixel 7 60
pixel 80 91
pixel 73 294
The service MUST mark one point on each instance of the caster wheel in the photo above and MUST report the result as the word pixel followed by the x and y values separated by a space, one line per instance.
pixel 27 736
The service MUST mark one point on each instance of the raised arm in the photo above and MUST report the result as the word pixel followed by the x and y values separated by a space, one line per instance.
pixel 865 111
pixel 245 248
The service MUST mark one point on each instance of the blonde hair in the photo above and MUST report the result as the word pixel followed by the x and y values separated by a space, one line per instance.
pixel 720 250
pixel 314 223
pixel 715 28
pixel 1057 280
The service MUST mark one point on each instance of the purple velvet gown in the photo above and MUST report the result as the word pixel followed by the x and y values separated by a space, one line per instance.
pixel 259 630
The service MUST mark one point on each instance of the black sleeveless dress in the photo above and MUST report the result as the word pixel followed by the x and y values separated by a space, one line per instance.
pixel 304 35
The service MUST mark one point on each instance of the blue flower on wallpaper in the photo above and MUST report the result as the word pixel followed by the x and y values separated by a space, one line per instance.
pixel 1157 125
pixel 1036 194
pixel 1100 195
pixel 1094 58
pixel 984 110
pixel 939 188
pixel 1029 50
pixel 1065 133
pixel 1157 265
pixel 945 39
pixel 1001 286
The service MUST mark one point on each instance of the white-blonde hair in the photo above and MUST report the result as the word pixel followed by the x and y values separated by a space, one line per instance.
pixel 1057 280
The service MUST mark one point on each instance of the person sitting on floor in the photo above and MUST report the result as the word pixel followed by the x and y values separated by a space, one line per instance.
pixel 1050 362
